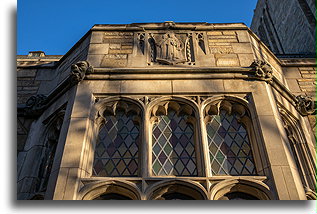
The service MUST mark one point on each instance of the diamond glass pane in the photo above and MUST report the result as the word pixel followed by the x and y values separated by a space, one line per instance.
pixel 229 148
pixel 116 152
pixel 173 151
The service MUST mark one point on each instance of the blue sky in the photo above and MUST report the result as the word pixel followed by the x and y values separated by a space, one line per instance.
pixel 55 26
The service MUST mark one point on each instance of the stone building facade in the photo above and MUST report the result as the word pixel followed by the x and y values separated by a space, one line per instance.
pixel 161 111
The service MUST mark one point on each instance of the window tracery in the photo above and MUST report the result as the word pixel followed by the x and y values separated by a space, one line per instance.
pixel 117 146
pixel 173 140
pixel 230 150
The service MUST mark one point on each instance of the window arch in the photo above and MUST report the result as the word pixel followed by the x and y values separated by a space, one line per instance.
pixel 112 196
pixel 176 190
pixel 238 196
pixel 173 140
pixel 230 150
pixel 49 149
pixel 303 158
pixel 118 141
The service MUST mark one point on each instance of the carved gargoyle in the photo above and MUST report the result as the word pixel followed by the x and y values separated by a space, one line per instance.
pixel 305 105
pixel 263 70
pixel 79 70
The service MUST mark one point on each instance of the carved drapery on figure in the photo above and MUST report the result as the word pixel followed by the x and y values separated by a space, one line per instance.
pixel 170 49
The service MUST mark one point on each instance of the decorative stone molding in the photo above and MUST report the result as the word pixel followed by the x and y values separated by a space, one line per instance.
pixel 263 70
pixel 305 105
pixel 111 108
pixel 79 70
pixel 189 48
pixel 147 99
pixel 179 108
pixel 141 41
pixel 201 42
pixel 227 105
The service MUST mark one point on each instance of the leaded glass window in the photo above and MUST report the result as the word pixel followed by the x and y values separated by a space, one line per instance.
pixel 229 147
pixel 173 147
pixel 117 146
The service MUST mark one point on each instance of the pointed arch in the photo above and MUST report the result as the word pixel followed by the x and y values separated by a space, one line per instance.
pixel 229 127
pixel 176 190
pixel 93 190
pixel 244 188
pixel 174 137
pixel 117 145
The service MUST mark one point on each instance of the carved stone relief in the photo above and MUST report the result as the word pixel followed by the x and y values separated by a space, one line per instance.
pixel 305 105
pixel 263 70
pixel 111 108
pixel 170 48
pixel 79 70
pixel 229 106
pixel 34 105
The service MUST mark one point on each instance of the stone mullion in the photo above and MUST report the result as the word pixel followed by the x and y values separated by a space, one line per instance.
pixel 145 144
pixel 204 142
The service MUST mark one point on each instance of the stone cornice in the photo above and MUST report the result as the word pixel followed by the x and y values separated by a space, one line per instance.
pixel 169 25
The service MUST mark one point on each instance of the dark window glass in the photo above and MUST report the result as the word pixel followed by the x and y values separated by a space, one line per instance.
pixel 173 151
pixel 229 147
pixel 116 152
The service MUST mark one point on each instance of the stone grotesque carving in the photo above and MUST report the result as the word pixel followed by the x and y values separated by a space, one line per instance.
pixel 79 70
pixel 263 70
pixel 36 101
pixel 167 49
pixel 305 105
pixel 34 105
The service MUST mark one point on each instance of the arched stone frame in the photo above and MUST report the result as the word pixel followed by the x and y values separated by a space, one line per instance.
pixel 93 190
pixel 160 106
pixel 300 152
pixel 188 188
pixel 254 188
pixel 213 105
pixel 109 106
pixel 310 195
pixel 50 139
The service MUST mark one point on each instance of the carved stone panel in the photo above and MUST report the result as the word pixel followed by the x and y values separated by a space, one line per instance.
pixel 170 48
